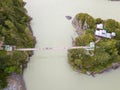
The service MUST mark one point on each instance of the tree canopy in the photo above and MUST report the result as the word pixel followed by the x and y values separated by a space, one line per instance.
pixel 14 30
pixel 106 51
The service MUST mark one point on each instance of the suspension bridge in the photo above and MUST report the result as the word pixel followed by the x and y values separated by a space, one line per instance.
pixel 13 48
pixel 53 48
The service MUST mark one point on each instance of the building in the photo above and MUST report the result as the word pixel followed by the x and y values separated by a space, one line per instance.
pixel 100 32
pixel 8 48
pixel 99 26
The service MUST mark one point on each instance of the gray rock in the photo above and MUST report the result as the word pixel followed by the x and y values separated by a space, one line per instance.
pixel 115 65
pixel 88 73
pixel 15 82
pixel 77 24
pixel 68 17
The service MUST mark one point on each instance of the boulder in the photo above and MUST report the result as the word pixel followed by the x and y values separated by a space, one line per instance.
pixel 68 17
pixel 115 65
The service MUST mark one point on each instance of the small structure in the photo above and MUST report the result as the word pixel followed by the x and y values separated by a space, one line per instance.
pixel 100 32
pixel 90 48
pixel 8 48
pixel 99 26
pixel 92 45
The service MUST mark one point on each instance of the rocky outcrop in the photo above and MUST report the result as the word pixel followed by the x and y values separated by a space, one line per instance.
pixel 68 17
pixel 77 24
pixel 115 65
pixel 15 82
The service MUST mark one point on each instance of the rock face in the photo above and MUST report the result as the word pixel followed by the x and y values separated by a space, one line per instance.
pixel 115 65
pixel 15 82
pixel 68 17
pixel 77 24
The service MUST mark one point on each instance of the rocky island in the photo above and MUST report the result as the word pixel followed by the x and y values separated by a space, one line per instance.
pixel 103 52
pixel 15 31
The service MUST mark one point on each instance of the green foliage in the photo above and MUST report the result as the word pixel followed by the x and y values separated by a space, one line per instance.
pixel 111 25
pixel 101 56
pixel 84 17
pixel 10 69
pixel 90 31
pixel 108 45
pixel 107 51
pixel 118 46
pixel 3 82
pixel 98 20
pixel 14 28
pixel 117 31
pixel 9 24
pixel 85 39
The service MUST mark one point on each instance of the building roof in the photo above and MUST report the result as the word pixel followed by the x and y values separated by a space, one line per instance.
pixel 103 33
pixel 100 26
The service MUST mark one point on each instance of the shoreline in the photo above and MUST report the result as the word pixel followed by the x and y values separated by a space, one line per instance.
pixel 16 81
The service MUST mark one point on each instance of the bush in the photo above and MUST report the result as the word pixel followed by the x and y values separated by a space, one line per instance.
pixel 84 39
pixel 111 25
pixel 84 17
pixel 98 21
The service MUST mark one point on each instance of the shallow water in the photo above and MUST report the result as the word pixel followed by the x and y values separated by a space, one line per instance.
pixel 49 70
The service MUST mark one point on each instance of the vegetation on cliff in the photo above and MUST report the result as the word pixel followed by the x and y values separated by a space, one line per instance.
pixel 14 30
pixel 106 51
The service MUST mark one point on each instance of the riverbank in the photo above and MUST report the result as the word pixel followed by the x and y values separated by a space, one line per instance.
pixel 16 29
pixel 49 70
pixel 15 81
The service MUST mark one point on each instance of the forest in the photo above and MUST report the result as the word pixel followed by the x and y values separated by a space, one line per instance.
pixel 106 52
pixel 15 31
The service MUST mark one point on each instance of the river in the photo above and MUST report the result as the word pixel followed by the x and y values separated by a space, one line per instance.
pixel 49 70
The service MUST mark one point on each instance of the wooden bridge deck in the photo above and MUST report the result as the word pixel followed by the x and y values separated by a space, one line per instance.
pixel 52 48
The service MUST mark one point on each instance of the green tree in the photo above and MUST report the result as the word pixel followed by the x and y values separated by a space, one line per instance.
pixel 84 17
pixel 111 25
